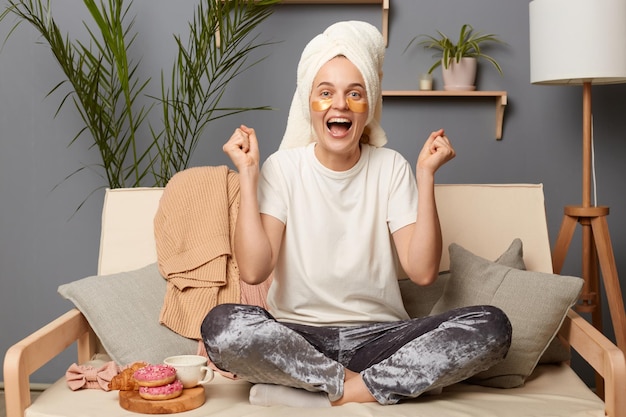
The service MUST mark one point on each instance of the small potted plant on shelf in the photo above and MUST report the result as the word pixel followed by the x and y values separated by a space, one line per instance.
pixel 458 60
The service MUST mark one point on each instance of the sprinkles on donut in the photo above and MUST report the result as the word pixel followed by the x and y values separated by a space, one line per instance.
pixel 155 375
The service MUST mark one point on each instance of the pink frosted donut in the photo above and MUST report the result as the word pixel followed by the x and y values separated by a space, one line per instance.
pixel 162 392
pixel 155 375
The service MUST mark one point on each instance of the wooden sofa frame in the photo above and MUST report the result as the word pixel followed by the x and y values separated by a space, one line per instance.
pixel 28 355
pixel 34 351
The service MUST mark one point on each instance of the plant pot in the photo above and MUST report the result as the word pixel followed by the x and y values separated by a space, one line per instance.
pixel 460 75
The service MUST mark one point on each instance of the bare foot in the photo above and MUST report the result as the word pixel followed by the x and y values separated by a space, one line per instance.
pixel 354 390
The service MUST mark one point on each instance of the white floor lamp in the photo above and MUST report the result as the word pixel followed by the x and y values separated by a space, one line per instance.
pixel 583 42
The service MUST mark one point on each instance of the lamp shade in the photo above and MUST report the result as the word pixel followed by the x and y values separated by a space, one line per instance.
pixel 577 41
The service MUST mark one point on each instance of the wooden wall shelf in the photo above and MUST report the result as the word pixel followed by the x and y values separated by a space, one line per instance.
pixel 383 3
pixel 499 96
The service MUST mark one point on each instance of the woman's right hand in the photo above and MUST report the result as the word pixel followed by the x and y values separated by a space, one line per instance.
pixel 243 148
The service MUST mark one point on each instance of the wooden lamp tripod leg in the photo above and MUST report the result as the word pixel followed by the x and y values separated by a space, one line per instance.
pixel 562 243
pixel 610 278
pixel 597 248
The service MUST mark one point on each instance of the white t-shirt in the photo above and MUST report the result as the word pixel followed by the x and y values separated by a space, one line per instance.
pixel 337 265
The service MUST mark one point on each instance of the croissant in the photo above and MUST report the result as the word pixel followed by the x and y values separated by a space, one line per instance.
pixel 124 380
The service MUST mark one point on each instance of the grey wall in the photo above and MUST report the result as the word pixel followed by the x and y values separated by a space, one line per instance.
pixel 44 242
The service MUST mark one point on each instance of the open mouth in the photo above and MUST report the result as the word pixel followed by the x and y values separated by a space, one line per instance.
pixel 338 126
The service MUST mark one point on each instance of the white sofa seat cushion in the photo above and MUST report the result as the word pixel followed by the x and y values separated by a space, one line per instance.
pixel 552 390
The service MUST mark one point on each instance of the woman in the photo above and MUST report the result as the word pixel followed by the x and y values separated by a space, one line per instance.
pixel 331 214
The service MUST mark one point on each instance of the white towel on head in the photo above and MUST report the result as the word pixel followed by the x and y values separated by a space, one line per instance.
pixel 364 46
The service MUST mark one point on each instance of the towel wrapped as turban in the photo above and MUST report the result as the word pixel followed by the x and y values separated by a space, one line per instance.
pixel 364 46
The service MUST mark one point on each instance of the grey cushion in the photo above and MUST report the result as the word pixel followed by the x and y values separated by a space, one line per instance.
pixel 536 304
pixel 123 310
pixel 419 300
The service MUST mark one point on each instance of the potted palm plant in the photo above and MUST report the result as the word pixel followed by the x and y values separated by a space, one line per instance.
pixel 103 81
pixel 458 59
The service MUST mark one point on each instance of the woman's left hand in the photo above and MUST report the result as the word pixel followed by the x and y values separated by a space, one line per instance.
pixel 436 151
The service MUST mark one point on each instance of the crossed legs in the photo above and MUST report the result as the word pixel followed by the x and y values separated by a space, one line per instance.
pixel 383 362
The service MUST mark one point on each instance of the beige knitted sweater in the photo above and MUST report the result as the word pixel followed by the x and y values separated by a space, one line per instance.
pixel 193 227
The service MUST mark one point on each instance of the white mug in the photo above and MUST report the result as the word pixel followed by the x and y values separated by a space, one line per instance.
pixel 191 370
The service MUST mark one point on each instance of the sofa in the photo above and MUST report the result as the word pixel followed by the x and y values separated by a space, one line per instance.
pixel 496 251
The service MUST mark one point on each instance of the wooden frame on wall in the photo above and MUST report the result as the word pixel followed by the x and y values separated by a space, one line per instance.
pixel 383 3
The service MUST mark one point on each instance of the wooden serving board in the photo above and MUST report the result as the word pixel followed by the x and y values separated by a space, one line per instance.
pixel 190 398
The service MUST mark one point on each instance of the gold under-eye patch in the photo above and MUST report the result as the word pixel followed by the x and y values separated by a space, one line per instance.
pixel 357 106
pixel 354 105
pixel 322 105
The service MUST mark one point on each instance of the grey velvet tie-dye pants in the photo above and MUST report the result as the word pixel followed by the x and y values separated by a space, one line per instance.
pixel 397 360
